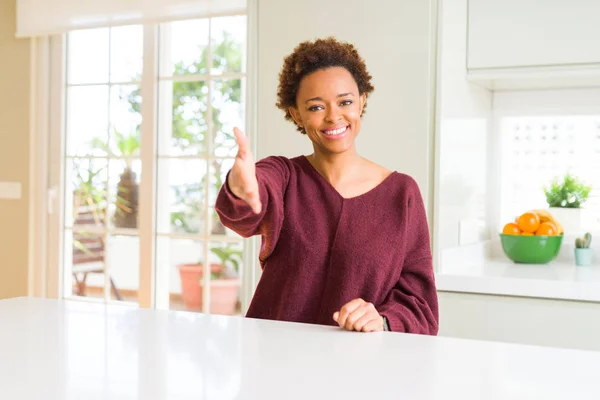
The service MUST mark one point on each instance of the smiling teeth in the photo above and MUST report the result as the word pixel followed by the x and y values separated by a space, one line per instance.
pixel 336 132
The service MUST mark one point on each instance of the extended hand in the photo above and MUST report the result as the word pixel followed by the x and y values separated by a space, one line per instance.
pixel 242 178
pixel 359 315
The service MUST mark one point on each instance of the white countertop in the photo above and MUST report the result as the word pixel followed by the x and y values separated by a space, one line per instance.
pixel 57 350
pixel 555 280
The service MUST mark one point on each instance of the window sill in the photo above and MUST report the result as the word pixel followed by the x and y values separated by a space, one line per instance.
pixel 557 280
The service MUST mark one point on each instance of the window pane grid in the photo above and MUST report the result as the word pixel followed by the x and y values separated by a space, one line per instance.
pixel 198 95
pixel 540 149
pixel 203 90
pixel 101 140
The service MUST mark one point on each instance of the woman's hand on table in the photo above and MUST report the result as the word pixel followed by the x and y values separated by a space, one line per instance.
pixel 242 178
pixel 359 315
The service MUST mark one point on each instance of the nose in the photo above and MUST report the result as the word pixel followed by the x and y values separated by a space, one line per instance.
pixel 333 114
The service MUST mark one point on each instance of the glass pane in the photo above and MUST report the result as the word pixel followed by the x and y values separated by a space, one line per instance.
pixel 84 262
pixel 126 53
pixel 228 43
pixel 179 270
pixel 227 113
pixel 185 46
pixel 124 191
pixel 183 118
pixel 87 56
pixel 88 182
pixel 123 262
pixel 226 267
pixel 184 260
pixel 87 120
pixel 217 228
pixel 125 120
pixel 218 173
pixel 180 196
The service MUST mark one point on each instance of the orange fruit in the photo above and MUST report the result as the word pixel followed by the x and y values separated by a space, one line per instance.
pixel 547 229
pixel 529 222
pixel 527 234
pixel 511 229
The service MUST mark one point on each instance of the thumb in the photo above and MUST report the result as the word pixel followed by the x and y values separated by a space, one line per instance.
pixel 254 202
pixel 336 316
pixel 242 142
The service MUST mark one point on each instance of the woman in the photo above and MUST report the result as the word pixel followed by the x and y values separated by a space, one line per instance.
pixel 344 240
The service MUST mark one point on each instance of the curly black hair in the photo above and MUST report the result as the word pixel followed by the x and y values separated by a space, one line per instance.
pixel 309 57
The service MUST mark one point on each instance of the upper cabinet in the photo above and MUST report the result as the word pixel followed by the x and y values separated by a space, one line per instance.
pixel 553 40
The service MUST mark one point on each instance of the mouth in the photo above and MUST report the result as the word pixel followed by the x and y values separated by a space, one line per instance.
pixel 336 132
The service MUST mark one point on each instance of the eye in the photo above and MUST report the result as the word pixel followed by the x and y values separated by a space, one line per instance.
pixel 346 102
pixel 315 108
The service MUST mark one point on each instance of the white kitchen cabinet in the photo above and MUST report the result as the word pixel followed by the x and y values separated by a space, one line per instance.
pixel 533 33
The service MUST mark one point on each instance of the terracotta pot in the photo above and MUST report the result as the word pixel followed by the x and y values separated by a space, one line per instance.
pixel 223 292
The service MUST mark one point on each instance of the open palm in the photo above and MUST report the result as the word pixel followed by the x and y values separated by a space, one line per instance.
pixel 242 178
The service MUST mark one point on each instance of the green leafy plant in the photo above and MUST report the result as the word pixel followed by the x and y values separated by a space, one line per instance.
pixel 570 193
pixel 89 194
pixel 584 242
pixel 229 257
pixel 126 200
pixel 190 113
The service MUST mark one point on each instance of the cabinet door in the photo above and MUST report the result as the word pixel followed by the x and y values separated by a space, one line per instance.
pixel 530 33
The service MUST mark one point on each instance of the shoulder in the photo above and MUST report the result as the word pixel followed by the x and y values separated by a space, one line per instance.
pixel 406 189
pixel 286 168
pixel 281 162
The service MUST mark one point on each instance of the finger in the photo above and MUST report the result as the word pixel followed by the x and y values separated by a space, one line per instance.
pixel 354 317
pixel 360 323
pixel 254 203
pixel 242 142
pixel 347 309
pixel 336 316
pixel 374 325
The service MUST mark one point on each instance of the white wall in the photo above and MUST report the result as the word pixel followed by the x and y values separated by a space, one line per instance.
pixel 395 39
pixel 462 138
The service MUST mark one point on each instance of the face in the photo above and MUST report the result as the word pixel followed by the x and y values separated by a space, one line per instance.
pixel 329 107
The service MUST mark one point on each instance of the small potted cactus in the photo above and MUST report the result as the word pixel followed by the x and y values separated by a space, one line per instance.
pixel 583 253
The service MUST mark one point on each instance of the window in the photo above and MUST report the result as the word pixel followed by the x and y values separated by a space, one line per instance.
pixel 202 77
pixel 200 81
pixel 102 162
pixel 538 149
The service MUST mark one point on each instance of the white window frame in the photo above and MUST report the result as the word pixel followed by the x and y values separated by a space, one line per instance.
pixel 48 109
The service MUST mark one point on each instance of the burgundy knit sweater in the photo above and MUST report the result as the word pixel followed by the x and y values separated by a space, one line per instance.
pixel 320 250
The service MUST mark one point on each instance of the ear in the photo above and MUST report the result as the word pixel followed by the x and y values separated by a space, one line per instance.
pixel 296 116
pixel 363 100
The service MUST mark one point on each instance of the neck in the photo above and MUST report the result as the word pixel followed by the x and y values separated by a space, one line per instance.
pixel 335 167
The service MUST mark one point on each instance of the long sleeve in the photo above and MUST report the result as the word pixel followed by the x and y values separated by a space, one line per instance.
pixel 412 304
pixel 272 174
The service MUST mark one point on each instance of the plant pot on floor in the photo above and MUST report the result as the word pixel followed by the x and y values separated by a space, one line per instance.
pixel 223 292
pixel 583 257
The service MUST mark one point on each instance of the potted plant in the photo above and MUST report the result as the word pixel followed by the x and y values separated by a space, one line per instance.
pixel 583 253
pixel 224 282
pixel 565 200
pixel 126 201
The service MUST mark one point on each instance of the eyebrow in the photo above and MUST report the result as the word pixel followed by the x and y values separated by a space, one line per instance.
pixel 320 99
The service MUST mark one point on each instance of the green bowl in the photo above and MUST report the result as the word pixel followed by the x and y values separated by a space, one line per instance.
pixel 531 249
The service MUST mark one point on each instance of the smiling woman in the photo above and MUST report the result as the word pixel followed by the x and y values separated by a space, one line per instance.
pixel 344 241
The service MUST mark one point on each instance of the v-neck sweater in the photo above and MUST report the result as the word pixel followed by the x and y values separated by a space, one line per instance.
pixel 320 250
